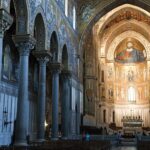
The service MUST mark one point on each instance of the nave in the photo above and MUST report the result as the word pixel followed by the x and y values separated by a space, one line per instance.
pixel 73 68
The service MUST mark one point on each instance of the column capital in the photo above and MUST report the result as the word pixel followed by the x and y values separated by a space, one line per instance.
pixel 56 67
pixel 6 21
pixel 42 56
pixel 24 43
pixel 66 74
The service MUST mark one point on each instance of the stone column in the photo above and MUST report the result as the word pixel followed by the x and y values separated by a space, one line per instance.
pixel 42 57
pixel 24 43
pixel 55 99
pixel 78 113
pixel 65 104
pixel 5 22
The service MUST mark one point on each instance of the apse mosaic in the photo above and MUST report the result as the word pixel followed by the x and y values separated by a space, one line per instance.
pixel 130 51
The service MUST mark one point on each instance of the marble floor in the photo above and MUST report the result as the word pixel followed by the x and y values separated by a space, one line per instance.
pixel 124 148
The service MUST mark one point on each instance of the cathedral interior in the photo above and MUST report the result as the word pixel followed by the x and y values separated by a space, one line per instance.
pixel 69 66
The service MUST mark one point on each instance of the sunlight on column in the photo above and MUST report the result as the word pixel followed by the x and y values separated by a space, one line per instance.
pixel 46 124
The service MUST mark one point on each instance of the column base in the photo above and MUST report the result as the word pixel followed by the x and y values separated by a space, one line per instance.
pixel 54 138
pixel 64 138
pixel 40 140
pixel 20 143
pixel 74 137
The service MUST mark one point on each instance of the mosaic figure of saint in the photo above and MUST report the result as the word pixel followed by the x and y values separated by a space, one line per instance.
pixel 130 75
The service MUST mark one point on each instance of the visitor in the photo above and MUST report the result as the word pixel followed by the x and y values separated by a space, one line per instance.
pixel 28 138
pixel 119 138
pixel 83 136
pixel 87 137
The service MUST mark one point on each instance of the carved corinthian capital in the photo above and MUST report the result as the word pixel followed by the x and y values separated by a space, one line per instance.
pixel 42 56
pixel 5 21
pixel 66 74
pixel 24 43
pixel 55 67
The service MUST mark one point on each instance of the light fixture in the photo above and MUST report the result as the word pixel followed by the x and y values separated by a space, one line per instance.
pixel 46 124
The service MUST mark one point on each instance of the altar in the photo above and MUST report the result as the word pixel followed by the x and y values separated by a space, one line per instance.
pixel 132 125
pixel 131 121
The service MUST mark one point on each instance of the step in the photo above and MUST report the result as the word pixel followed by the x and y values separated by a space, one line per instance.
pixel 128 143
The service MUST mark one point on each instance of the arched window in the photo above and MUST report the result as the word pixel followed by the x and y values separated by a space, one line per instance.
pixel 7 63
pixel 66 8
pixel 113 116
pixel 74 17
pixel 54 46
pixel 65 57
pixel 102 76
pixel 104 116
pixel 131 94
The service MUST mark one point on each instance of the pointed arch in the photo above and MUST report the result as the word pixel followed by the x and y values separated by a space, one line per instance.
pixel 54 46
pixel 65 57
pixel 39 32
